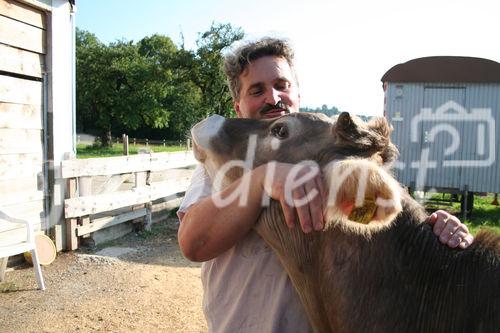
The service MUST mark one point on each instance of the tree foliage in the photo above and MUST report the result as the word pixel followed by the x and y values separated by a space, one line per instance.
pixel 151 84
pixel 211 78
pixel 323 109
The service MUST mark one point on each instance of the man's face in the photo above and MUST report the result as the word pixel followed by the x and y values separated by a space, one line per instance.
pixel 268 89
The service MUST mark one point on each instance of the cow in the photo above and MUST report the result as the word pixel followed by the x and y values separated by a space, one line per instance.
pixel 382 272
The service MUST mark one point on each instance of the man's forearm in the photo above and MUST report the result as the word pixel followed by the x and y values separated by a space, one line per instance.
pixel 207 230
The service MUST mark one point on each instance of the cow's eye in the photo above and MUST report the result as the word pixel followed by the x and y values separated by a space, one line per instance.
pixel 280 131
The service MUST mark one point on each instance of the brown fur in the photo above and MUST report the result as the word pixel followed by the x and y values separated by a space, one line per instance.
pixel 400 279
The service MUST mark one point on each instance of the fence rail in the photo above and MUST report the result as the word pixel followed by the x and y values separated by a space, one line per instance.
pixel 144 141
pixel 126 141
pixel 128 184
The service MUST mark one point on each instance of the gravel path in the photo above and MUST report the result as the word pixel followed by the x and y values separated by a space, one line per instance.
pixel 140 283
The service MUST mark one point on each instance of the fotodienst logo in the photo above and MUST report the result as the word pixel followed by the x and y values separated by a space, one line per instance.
pixel 453 120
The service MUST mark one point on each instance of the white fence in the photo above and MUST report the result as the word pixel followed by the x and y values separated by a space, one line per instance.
pixel 103 192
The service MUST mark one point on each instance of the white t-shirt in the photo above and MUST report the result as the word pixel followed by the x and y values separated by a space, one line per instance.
pixel 246 289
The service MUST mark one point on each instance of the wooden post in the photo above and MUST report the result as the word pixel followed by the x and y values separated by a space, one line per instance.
pixel 147 142
pixel 495 200
pixel 149 206
pixel 141 180
pixel 147 218
pixel 135 141
pixel 125 144
pixel 164 143
pixel 188 144
pixel 71 223
pixel 3 267
pixel 85 189
pixel 56 235
pixel 465 201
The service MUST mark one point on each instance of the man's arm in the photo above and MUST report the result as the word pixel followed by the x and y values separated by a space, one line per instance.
pixel 206 230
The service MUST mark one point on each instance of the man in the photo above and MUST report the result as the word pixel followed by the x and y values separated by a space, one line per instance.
pixel 245 287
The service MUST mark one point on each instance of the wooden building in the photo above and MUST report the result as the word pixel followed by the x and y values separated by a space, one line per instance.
pixel 36 113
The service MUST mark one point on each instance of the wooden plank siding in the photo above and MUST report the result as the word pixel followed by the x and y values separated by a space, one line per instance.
pixel 22 62
pixel 43 5
pixel 23 13
pixel 23 46
pixel 20 190
pixel 22 35
pixel 21 116
pixel 20 141
pixel 15 166
pixel 20 91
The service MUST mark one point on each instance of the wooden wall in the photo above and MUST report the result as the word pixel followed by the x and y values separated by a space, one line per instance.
pixel 23 45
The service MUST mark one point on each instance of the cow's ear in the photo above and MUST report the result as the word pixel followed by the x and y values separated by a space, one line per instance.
pixel 346 128
pixel 350 132
pixel 345 123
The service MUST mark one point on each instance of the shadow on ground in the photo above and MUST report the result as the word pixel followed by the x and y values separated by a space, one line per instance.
pixel 142 283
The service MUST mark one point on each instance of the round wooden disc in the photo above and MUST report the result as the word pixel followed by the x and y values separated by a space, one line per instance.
pixel 45 248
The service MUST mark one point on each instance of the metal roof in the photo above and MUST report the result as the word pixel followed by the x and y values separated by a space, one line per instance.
pixel 445 69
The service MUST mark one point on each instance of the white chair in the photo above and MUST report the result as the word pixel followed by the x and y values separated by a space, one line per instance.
pixel 17 248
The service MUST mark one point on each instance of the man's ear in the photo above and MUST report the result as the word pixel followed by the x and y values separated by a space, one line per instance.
pixel 236 106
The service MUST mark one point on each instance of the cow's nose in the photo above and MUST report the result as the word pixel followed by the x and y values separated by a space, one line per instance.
pixel 206 129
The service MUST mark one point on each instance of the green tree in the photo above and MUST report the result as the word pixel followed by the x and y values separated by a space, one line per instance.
pixel 119 86
pixel 141 88
pixel 94 93
pixel 178 70
pixel 216 98
pixel 152 83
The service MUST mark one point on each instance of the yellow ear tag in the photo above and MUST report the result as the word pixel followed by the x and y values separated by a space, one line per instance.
pixel 365 213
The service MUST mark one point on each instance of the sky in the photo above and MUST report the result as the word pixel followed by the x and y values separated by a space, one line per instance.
pixel 342 48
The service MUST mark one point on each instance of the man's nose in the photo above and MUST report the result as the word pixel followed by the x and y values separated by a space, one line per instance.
pixel 273 97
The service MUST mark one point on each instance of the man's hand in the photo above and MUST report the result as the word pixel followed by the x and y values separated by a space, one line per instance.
pixel 302 201
pixel 450 230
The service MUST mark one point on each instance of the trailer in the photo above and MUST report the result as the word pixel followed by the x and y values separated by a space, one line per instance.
pixel 445 113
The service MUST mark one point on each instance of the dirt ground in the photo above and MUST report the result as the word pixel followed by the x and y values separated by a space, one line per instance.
pixel 151 288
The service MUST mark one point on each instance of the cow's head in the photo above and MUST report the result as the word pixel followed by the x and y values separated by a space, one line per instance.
pixel 347 150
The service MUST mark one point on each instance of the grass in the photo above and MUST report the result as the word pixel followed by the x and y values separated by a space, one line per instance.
pixel 484 214
pixel 90 151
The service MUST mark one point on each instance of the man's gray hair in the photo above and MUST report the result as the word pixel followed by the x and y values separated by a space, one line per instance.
pixel 236 61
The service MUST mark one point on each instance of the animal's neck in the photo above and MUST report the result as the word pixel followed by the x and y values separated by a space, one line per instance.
pixel 401 279
pixel 298 252
pixel 329 269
